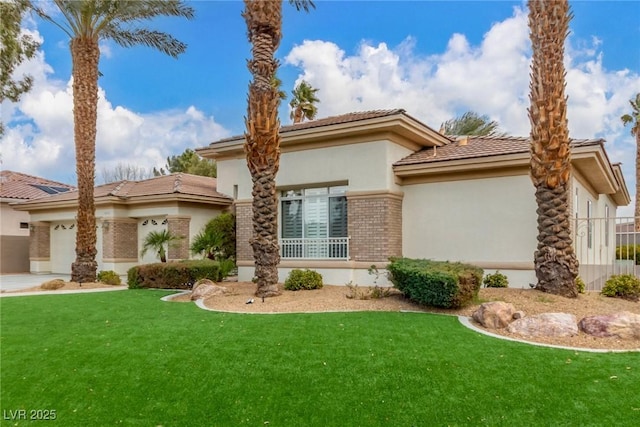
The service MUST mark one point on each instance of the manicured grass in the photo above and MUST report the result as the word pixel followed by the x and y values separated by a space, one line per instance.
pixel 127 358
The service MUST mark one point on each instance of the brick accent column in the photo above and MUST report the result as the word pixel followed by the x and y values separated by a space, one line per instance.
pixel 244 230
pixel 40 241
pixel 179 226
pixel 120 239
pixel 375 225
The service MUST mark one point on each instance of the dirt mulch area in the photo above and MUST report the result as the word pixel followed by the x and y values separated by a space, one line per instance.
pixel 68 286
pixel 334 298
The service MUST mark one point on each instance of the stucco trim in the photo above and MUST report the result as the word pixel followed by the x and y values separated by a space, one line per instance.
pixel 503 265
pixel 40 259
pixel 115 260
pixel 464 175
pixel 302 264
pixel 375 194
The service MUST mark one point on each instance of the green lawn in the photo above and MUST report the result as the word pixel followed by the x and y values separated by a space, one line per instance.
pixel 127 358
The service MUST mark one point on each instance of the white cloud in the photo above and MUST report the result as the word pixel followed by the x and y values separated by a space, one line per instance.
pixel 39 130
pixel 491 78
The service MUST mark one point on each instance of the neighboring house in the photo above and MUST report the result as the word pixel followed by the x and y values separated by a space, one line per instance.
pixel 359 188
pixel 126 211
pixel 14 225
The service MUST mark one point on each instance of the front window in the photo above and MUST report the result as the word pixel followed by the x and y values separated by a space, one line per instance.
pixel 314 223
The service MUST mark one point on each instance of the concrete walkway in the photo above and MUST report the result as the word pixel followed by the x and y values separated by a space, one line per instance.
pixel 14 282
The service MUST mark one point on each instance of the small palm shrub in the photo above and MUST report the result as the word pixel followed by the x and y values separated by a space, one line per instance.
pixel 217 240
pixel 303 279
pixel 624 286
pixel 109 277
pixel 580 285
pixel 496 280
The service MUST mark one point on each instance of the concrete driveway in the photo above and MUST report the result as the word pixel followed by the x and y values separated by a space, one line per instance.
pixel 13 282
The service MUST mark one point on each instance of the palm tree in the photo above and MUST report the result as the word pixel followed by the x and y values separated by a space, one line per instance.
pixel 471 123
pixel 555 261
pixel 86 22
pixel 303 103
pixel 156 241
pixel 262 138
pixel 634 120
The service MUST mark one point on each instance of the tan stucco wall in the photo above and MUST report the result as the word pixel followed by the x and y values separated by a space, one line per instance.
pixel 489 221
pixel 10 221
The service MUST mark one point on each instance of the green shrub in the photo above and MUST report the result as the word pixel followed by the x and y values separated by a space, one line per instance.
pixel 496 280
pixel 628 252
pixel 173 275
pixel 303 279
pixel 217 240
pixel 624 286
pixel 109 277
pixel 580 285
pixel 436 283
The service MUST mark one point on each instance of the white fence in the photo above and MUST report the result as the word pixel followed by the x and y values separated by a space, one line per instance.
pixel 323 248
pixel 605 247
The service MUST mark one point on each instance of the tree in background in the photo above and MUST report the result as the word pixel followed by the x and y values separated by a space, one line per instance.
pixel 471 123
pixel 634 119
pixel 15 48
pixel 262 138
pixel 555 261
pixel 303 103
pixel 125 172
pixel 188 162
pixel 157 241
pixel 86 22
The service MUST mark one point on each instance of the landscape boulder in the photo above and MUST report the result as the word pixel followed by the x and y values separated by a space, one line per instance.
pixel 545 325
pixel 494 314
pixel 624 325
pixel 205 288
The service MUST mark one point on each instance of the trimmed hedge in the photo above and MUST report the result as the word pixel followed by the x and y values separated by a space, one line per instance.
pixel 303 279
pixel 436 283
pixel 173 275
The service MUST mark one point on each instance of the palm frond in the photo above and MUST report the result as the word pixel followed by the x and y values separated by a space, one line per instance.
pixel 303 4
pixel 163 42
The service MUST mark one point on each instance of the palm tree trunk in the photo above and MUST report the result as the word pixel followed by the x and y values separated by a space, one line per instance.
pixel 262 145
pixel 555 261
pixel 85 55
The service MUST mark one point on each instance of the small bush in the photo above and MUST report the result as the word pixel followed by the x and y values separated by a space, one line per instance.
pixel 628 252
pixel 303 279
pixel 173 275
pixel 580 285
pixel 370 292
pixel 109 277
pixel 624 286
pixel 436 283
pixel 496 280
pixel 52 285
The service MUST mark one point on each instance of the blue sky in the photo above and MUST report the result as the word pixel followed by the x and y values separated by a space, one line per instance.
pixel 435 59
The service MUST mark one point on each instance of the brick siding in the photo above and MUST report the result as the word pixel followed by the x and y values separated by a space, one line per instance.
pixel 244 230
pixel 40 241
pixel 375 226
pixel 120 239
pixel 179 226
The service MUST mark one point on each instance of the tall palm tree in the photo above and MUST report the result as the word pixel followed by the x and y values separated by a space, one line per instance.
pixel 86 22
pixel 634 120
pixel 555 261
pixel 303 103
pixel 262 138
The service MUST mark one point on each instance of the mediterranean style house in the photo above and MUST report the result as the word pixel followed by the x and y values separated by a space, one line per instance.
pixel 359 188
pixel 14 224
pixel 126 211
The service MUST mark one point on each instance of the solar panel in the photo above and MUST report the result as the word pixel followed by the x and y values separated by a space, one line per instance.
pixel 50 189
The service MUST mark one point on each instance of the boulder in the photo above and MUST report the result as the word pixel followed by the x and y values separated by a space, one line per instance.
pixel 624 325
pixel 495 314
pixel 206 288
pixel 545 325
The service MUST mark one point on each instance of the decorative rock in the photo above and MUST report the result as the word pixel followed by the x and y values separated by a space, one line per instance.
pixel 545 325
pixel 206 288
pixel 624 325
pixel 494 315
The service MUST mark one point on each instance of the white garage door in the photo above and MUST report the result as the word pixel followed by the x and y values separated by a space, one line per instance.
pixel 63 246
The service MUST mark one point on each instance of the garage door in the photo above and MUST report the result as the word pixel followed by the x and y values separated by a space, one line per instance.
pixel 63 247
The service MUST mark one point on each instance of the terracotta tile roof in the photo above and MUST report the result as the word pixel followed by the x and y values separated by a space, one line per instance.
pixel 479 147
pixel 178 183
pixel 333 120
pixel 16 185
